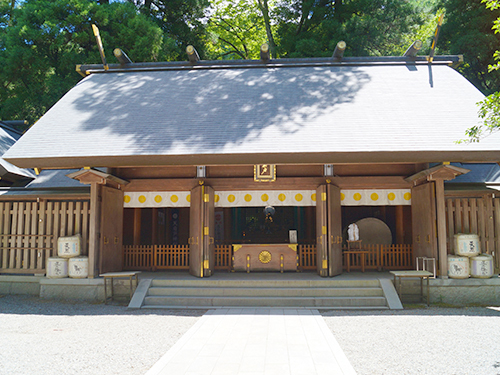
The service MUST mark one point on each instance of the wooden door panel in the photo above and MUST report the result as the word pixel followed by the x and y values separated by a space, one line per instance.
pixel 111 254
pixel 196 232
pixel 208 231
pixel 334 231
pixel 321 231
pixel 423 209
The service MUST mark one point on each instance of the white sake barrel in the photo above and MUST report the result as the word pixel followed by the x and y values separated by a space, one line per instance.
pixel 467 245
pixel 69 247
pixel 458 267
pixel 481 266
pixel 78 267
pixel 57 268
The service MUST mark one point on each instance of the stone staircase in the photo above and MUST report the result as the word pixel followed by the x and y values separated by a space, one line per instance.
pixel 322 294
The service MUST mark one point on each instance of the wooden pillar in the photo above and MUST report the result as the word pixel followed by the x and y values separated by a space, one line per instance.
pixel 441 228
pixel 400 233
pixel 94 228
pixel 137 226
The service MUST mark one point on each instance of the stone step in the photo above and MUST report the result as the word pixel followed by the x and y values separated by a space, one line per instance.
pixel 208 282
pixel 266 292
pixel 313 302
pixel 159 307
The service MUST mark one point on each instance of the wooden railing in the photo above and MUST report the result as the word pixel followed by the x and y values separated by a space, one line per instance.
pixel 389 257
pixel 169 257
pixel 307 257
pixel 176 257
pixel 223 255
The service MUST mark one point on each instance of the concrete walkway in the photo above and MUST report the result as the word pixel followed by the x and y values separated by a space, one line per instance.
pixel 256 341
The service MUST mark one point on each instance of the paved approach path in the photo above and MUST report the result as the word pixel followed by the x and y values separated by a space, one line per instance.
pixel 256 341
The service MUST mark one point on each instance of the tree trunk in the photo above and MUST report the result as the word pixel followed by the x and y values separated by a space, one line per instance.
pixel 264 8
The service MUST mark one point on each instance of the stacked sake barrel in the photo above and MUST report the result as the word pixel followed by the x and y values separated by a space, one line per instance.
pixel 68 262
pixel 468 260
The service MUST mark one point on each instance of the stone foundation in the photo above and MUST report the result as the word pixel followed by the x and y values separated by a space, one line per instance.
pixel 88 290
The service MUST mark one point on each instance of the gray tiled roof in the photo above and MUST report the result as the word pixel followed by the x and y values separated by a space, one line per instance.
pixel 251 111
pixel 487 173
pixel 7 139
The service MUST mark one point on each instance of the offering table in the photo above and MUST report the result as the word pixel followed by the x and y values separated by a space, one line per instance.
pixel 269 257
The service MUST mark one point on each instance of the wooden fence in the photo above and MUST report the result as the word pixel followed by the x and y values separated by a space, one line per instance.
pixel 29 232
pixel 479 216
pixel 176 257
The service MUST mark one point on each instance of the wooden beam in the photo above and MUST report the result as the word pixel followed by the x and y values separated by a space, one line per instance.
pixel 441 229
pixel 284 183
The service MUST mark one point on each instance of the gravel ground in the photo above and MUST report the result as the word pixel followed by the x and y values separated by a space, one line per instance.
pixel 423 341
pixel 47 337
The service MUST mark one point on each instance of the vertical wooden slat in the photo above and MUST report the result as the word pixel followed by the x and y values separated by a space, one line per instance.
pixel 34 226
pixel 458 216
pixel 451 222
pixel 25 238
pixel 63 220
pixel 6 207
pixel 482 223
pixel 41 231
pixel 466 215
pixel 497 231
pixel 51 242
pixel 77 214
pixel 13 231
pixel 70 230
pixel 473 216
pixel 490 226
pixel 2 231
pixel 56 225
pixel 20 229
pixel 85 228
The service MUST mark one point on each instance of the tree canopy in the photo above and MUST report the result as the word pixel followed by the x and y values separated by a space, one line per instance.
pixel 489 108
pixel 41 41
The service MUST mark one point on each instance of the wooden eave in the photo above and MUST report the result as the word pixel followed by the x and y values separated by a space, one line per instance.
pixel 73 162
pixel 90 176
pixel 444 172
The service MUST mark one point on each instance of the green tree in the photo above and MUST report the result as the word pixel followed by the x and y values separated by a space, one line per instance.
pixel 182 21
pixel 467 30
pixel 41 41
pixel 369 27
pixel 489 108
pixel 235 30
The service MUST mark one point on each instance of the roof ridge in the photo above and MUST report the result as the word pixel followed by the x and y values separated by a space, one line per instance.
pixel 87 69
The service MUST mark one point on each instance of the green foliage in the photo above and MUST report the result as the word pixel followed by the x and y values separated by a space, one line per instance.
pixel 489 108
pixel 489 111
pixel 45 39
pixel 182 23
pixel 494 5
pixel 467 31
pixel 235 30
pixel 369 27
